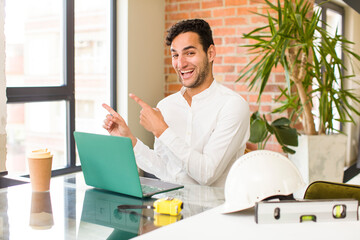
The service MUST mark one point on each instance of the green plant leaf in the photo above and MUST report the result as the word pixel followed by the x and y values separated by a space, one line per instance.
pixel 286 136
pixel 258 131
pixel 288 150
pixel 261 131
pixel 281 122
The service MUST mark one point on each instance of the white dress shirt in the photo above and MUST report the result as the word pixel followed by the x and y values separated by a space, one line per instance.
pixel 202 141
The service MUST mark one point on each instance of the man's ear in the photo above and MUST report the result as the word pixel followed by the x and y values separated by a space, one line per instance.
pixel 211 53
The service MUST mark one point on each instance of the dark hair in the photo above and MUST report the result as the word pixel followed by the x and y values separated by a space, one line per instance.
pixel 199 26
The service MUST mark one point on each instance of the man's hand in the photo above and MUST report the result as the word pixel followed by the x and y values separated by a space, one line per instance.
pixel 116 125
pixel 151 118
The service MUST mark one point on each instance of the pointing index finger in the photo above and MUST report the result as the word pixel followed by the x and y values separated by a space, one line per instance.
pixel 110 110
pixel 139 101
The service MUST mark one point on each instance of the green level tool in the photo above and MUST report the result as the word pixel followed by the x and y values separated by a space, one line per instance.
pixel 300 211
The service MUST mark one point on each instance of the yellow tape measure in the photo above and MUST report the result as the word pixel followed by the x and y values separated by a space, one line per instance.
pixel 169 205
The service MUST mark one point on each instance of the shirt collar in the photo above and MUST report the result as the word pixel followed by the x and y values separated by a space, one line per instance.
pixel 204 93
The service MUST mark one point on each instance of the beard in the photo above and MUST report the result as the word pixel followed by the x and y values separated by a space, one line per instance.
pixel 204 71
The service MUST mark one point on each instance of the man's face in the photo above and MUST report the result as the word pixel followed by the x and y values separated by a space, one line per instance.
pixel 189 60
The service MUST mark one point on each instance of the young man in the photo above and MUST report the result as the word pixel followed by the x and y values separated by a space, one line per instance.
pixel 199 131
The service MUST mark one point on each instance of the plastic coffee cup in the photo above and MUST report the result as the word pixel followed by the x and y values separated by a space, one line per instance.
pixel 41 216
pixel 40 162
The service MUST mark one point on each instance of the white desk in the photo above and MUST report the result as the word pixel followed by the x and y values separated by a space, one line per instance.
pixel 73 210
pixel 212 224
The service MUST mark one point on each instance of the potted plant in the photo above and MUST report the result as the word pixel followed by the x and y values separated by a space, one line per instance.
pixel 261 131
pixel 314 72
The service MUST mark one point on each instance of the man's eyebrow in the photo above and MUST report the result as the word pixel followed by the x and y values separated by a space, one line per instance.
pixel 184 49
pixel 188 47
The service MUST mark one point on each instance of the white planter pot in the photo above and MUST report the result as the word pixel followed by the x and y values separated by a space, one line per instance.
pixel 321 157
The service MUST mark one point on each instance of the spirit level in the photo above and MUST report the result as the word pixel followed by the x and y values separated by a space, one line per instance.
pixel 299 211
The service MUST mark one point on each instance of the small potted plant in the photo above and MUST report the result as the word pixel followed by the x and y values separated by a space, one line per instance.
pixel 261 131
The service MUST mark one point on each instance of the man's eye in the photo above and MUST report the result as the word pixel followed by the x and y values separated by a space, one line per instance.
pixel 190 53
pixel 174 56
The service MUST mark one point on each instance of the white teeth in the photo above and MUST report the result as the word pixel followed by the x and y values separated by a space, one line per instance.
pixel 186 71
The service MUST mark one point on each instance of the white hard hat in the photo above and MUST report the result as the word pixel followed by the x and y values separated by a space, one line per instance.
pixel 258 175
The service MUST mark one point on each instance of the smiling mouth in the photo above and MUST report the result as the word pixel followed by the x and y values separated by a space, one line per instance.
pixel 186 74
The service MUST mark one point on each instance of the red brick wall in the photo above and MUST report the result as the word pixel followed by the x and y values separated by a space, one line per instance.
pixel 229 19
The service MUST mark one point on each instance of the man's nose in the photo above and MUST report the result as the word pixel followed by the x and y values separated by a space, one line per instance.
pixel 182 63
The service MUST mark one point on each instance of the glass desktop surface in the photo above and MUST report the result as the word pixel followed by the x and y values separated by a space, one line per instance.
pixel 73 210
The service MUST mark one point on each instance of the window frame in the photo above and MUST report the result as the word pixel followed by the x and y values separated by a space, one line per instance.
pixel 353 170
pixel 325 5
pixel 337 8
pixel 67 91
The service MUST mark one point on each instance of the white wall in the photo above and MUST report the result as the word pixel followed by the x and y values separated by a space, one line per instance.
pixel 2 90
pixel 141 25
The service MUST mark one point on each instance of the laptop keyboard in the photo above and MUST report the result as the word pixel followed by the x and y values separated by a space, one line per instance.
pixel 150 189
